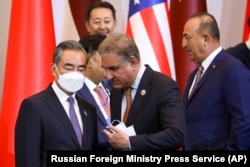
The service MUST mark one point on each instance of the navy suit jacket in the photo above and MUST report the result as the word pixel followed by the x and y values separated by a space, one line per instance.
pixel 43 125
pixel 156 113
pixel 101 122
pixel 218 112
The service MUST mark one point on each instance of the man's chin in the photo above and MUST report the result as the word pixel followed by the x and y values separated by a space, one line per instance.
pixel 117 86
pixel 103 33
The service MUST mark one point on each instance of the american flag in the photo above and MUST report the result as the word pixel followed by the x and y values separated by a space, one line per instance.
pixel 148 25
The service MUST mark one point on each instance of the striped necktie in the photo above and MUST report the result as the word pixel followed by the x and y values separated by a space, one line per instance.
pixel 197 79
pixel 103 99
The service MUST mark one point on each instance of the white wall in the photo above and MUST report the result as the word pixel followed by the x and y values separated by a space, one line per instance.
pixel 5 6
pixel 229 14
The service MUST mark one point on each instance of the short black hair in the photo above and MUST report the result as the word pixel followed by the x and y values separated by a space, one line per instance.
pixel 100 4
pixel 91 42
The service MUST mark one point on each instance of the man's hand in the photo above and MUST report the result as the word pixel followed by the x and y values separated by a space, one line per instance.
pixel 118 139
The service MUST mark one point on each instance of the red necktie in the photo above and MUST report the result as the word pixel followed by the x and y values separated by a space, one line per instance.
pixel 128 103
pixel 103 99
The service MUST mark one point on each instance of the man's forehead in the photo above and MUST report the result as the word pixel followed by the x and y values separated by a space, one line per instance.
pixel 102 12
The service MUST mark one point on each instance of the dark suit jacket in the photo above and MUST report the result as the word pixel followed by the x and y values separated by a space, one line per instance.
pixel 43 125
pixel 241 52
pixel 101 122
pixel 217 114
pixel 157 115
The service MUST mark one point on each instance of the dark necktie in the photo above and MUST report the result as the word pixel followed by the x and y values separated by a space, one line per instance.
pixel 197 79
pixel 103 99
pixel 128 103
pixel 74 120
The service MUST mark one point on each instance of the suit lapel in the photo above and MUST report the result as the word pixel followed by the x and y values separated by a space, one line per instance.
pixel 85 93
pixel 115 104
pixel 188 86
pixel 208 72
pixel 107 86
pixel 60 114
pixel 140 96
pixel 84 116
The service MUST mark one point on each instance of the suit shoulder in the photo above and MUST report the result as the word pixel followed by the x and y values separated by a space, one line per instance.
pixel 35 97
pixel 232 61
pixel 150 73
pixel 158 76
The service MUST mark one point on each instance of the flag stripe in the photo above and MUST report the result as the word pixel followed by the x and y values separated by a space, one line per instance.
pixel 129 31
pixel 157 43
pixel 140 36
pixel 162 16
pixel 149 27
pixel 136 6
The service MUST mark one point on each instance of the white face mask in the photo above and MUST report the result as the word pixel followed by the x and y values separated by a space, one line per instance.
pixel 71 81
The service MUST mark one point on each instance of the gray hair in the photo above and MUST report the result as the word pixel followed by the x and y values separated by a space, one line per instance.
pixel 121 45
pixel 208 24
pixel 66 45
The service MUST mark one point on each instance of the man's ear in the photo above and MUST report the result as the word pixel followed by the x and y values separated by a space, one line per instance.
pixel 133 61
pixel 53 69
pixel 87 26
pixel 206 38
pixel 89 63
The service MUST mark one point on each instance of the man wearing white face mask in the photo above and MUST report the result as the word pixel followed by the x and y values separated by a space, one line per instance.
pixel 56 118
pixel 71 81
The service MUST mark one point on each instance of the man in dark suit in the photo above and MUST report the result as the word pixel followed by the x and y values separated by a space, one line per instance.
pixel 95 77
pixel 45 119
pixel 217 106
pixel 156 111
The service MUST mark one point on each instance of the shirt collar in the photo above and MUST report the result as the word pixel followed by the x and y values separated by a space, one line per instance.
pixel 135 84
pixel 61 95
pixel 210 58
pixel 90 84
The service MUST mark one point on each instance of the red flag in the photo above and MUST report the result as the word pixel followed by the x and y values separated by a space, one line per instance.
pixel 246 30
pixel 29 54
pixel 180 11
pixel 148 25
